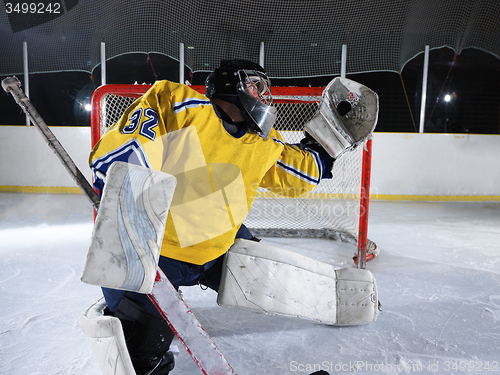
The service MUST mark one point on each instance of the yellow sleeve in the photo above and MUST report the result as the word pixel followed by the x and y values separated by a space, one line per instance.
pixel 296 172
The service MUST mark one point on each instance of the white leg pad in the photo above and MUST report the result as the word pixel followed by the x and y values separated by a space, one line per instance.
pixel 129 228
pixel 107 340
pixel 271 280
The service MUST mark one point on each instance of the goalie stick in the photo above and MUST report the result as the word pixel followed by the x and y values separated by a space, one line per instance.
pixel 174 310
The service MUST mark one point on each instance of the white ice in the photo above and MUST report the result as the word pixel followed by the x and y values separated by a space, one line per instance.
pixel 438 277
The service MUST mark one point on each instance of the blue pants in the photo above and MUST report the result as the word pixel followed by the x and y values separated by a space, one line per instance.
pixel 180 274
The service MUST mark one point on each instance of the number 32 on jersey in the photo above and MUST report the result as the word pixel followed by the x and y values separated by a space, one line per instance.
pixel 145 123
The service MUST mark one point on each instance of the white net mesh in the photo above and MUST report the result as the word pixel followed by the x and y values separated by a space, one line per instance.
pixel 112 108
pixel 331 210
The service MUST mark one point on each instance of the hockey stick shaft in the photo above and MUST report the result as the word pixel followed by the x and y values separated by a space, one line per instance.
pixel 364 204
pixel 13 86
pixel 180 318
pixel 188 329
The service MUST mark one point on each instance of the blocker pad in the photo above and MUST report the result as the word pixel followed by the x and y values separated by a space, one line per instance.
pixel 267 279
pixel 129 228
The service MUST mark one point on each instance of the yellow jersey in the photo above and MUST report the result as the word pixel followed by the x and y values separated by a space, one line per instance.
pixel 174 129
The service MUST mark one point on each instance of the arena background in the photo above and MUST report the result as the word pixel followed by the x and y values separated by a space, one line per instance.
pixel 301 43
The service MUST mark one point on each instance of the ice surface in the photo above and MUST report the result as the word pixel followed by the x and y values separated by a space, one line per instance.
pixel 438 276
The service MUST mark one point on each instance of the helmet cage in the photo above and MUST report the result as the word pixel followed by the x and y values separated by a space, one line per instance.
pixel 257 83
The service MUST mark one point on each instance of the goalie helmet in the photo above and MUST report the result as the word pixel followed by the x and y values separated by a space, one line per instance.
pixel 246 85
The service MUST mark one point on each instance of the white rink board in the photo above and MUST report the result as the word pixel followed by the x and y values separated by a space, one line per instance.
pixel 27 160
pixel 435 164
pixel 402 163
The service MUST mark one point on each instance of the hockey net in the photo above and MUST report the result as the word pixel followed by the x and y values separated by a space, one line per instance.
pixel 334 209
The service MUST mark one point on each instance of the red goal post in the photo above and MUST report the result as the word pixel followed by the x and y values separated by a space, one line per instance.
pixel 335 209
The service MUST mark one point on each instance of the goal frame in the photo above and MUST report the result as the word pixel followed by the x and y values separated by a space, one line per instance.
pixel 290 94
pixel 136 90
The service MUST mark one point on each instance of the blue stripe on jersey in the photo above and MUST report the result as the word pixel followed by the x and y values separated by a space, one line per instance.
pixel 297 173
pixel 189 103
pixel 317 160
pixel 130 152
pixel 279 141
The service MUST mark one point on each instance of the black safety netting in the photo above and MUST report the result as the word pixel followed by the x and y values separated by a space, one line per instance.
pixel 300 38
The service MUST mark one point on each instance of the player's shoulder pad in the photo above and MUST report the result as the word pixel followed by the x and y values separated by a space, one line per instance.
pixel 164 87
pixel 179 89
